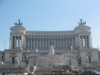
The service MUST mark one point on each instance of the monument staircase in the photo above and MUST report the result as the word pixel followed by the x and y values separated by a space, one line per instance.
pixel 92 66
pixel 50 68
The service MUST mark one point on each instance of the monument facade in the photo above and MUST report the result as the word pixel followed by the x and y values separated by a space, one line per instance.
pixel 54 48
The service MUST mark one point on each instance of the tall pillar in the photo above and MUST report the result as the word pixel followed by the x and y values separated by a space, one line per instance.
pixel 40 43
pixel 28 43
pixel 89 38
pixel 60 43
pixel 31 43
pixel 82 41
pixel 57 43
pixel 86 41
pixel 79 39
pixel 34 43
pixel 12 42
pixel 69 43
pixel 37 42
pixel 43 43
pixel 25 42
pixel 54 42
pixel 72 42
pixel 15 41
pixel 66 43
pixel 21 41
pixel 46 43
pixel 18 41
pixel 63 43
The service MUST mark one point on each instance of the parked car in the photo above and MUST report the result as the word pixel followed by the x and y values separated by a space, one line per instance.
pixel 91 72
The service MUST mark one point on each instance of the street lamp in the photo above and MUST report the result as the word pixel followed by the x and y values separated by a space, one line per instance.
pixel 34 60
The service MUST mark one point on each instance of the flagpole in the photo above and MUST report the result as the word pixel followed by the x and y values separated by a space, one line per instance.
pixel 70 56
pixel 4 44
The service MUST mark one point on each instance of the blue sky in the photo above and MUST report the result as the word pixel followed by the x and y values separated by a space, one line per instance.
pixel 49 15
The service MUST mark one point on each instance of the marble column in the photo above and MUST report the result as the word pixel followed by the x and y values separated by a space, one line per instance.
pixel 31 43
pixel 54 42
pixel 21 41
pixel 37 43
pixel 12 42
pixel 49 42
pixel 15 41
pixel 69 43
pixel 25 42
pixel 82 41
pixel 57 43
pixel 40 43
pixel 79 39
pixel 60 43
pixel 34 43
pixel 63 43
pixel 28 43
pixel 86 41
pixel 72 42
pixel 18 41
pixel 89 42
pixel 46 43
pixel 66 43
pixel 43 43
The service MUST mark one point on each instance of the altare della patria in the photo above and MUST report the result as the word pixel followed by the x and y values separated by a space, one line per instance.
pixel 36 51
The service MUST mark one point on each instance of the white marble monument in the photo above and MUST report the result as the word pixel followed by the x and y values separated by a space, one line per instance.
pixel 23 43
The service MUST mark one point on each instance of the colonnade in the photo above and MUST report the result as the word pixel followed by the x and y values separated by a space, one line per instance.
pixel 44 43
pixel 85 41
pixel 16 42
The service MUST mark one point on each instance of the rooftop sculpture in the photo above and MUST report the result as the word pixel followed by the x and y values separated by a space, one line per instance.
pixel 81 23
pixel 18 24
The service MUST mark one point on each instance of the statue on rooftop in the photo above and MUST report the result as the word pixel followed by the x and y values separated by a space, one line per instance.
pixel 81 23
pixel 18 24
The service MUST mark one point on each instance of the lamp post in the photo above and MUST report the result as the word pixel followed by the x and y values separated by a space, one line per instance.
pixel 34 60
pixel 70 59
pixel 19 69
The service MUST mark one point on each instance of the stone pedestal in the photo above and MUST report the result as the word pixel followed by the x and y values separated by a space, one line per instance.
pixel 79 67
pixel 27 69
pixel 51 50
